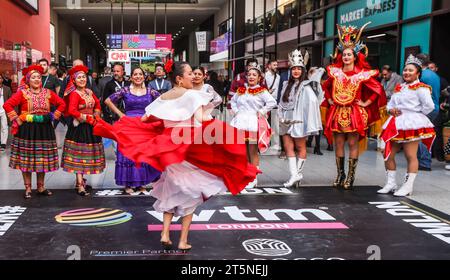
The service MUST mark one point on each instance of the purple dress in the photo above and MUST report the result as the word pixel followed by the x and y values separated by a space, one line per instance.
pixel 127 174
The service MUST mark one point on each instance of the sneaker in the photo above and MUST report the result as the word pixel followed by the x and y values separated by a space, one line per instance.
pixel 447 167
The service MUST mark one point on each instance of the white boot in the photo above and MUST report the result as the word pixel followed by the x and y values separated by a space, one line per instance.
pixel 300 166
pixel 391 185
pixel 295 177
pixel 407 188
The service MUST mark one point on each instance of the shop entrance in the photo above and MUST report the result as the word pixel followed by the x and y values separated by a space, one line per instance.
pixel 440 45
pixel 382 46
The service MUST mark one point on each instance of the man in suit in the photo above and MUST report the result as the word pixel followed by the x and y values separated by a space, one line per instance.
pixel 5 94
pixel 114 85
pixel 104 80
pixel 389 80
pixel 7 79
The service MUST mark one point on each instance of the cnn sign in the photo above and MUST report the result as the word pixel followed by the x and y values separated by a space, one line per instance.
pixel 118 56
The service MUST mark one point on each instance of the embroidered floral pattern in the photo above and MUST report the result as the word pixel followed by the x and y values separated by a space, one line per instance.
pixel 398 88
pixel 37 103
pixel 420 85
pixel 252 91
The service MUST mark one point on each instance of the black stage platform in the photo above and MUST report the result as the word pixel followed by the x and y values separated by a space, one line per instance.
pixel 267 223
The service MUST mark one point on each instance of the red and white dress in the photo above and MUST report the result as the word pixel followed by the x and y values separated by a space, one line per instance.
pixel 415 103
pixel 249 106
pixel 345 89
pixel 197 159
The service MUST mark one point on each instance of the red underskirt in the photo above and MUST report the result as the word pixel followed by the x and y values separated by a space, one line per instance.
pixel 154 144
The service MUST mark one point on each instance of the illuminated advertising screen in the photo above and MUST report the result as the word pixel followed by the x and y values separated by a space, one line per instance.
pixel 135 42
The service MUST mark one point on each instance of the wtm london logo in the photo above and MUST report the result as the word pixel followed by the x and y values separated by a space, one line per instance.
pixel 258 219
pixel 91 217
pixel 8 216
pixel 266 247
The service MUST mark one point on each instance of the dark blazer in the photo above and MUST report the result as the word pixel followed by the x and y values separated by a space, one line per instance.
pixel 7 95
pixel 6 92
pixel 284 76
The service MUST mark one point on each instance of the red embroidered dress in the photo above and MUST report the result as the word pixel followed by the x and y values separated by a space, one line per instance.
pixel 83 151
pixel 33 148
pixel 345 89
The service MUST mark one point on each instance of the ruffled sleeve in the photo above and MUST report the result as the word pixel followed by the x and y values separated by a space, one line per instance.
pixel 178 109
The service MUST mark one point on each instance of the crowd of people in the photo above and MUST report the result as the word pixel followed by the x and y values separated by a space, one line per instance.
pixel 347 102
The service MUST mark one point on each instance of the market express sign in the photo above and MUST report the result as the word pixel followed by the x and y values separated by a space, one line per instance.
pixel 359 12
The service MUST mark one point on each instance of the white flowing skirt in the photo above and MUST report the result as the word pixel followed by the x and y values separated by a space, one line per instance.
pixel 409 120
pixel 183 187
pixel 247 121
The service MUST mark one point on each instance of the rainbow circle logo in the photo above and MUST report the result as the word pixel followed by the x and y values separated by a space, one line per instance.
pixel 91 217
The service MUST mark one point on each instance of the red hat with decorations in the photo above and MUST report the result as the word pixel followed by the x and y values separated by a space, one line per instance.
pixel 26 74
pixel 73 73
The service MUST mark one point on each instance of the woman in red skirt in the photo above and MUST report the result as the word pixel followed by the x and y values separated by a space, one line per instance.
pixel 33 148
pixel 198 156
pixel 408 125
pixel 83 151
pixel 353 100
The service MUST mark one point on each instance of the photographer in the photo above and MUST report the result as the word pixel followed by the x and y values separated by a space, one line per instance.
pixel 442 118
pixel 445 112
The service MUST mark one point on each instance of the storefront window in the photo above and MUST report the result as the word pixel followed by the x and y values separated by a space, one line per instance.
pixel 259 17
pixel 307 6
pixel 225 26
pixel 442 4
pixel 287 15
pixel 382 45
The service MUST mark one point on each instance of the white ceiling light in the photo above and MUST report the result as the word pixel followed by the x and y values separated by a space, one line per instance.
pixel 376 36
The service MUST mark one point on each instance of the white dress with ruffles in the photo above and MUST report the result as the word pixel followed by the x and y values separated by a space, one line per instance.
pixel 183 186
pixel 415 105
pixel 247 106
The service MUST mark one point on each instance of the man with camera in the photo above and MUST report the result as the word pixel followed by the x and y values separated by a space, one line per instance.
pixel 445 111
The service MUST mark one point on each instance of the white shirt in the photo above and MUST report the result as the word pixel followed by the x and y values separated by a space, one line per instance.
pixel 247 106
pixel 414 104
pixel 179 111
pixel 418 100
pixel 270 78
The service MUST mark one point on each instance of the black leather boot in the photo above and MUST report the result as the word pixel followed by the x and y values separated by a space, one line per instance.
pixel 352 163
pixel 339 182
